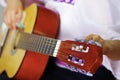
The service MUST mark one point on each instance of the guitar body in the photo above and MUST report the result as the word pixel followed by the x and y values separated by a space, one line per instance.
pixel 25 53
pixel 16 63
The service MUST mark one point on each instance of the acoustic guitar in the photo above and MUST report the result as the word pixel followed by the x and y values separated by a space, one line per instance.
pixel 35 42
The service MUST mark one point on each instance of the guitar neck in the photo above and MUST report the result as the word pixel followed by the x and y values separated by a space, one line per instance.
pixel 37 43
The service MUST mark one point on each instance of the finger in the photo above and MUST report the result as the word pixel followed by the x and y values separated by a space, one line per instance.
pixel 19 15
pixel 13 18
pixel 95 37
pixel 89 37
pixel 7 20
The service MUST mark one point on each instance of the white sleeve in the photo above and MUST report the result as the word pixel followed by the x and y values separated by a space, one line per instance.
pixel 3 3
pixel 45 0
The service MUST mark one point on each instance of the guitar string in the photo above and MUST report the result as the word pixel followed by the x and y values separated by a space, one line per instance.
pixel 37 43
pixel 31 42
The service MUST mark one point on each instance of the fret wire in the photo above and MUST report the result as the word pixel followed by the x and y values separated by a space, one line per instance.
pixel 49 46
pixel 34 43
pixel 22 42
pixel 36 40
pixel 42 47
pixel 38 45
pixel 45 46
pixel 26 46
pixel 26 39
pixel 30 43
pixel 52 47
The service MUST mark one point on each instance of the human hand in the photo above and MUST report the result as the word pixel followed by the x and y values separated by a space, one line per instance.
pixel 99 39
pixel 111 48
pixel 13 13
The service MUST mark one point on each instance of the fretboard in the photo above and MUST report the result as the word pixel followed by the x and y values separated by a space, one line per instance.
pixel 37 43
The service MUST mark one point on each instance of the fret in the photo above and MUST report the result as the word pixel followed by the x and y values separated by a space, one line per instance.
pixel 37 43
pixel 50 46
pixel 46 46
pixel 34 45
pixel 41 44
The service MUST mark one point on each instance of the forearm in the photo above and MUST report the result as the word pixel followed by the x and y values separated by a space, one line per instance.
pixel 112 49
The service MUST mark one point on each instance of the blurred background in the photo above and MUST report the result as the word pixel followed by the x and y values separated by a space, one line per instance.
pixel 1 14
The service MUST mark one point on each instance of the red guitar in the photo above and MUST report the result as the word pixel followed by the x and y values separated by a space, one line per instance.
pixel 25 51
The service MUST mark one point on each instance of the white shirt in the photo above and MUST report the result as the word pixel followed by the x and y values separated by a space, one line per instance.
pixel 3 3
pixel 86 17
